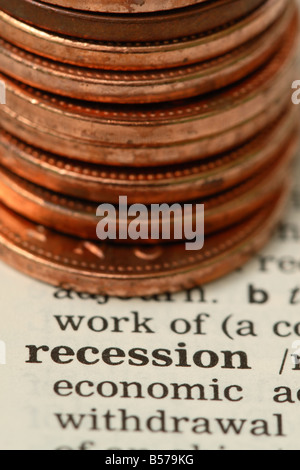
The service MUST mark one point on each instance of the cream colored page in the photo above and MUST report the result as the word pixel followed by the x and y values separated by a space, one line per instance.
pixel 248 400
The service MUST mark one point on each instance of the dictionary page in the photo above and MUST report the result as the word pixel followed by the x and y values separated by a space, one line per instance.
pixel 211 368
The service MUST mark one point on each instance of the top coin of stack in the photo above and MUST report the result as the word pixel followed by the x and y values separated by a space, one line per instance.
pixel 161 102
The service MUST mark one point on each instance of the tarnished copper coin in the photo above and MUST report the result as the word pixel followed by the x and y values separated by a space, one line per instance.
pixel 78 218
pixel 123 6
pixel 142 56
pixel 163 102
pixel 142 86
pixel 179 182
pixel 161 26
pixel 154 134
pixel 130 270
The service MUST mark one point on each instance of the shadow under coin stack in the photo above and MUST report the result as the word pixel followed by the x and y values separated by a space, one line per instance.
pixel 162 101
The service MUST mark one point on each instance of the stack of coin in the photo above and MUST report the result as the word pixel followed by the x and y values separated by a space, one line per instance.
pixel 173 102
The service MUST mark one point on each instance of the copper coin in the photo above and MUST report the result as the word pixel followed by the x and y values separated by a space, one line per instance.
pixel 123 6
pixel 130 270
pixel 78 218
pixel 140 157
pixel 158 134
pixel 179 182
pixel 140 86
pixel 134 56
pixel 162 26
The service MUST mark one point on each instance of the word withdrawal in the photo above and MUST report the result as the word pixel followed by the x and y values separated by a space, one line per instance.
pixel 161 422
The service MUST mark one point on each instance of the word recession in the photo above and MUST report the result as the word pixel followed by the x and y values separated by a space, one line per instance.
pixel 138 357
pixel 155 222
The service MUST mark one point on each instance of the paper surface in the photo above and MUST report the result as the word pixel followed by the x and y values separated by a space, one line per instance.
pixel 233 340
